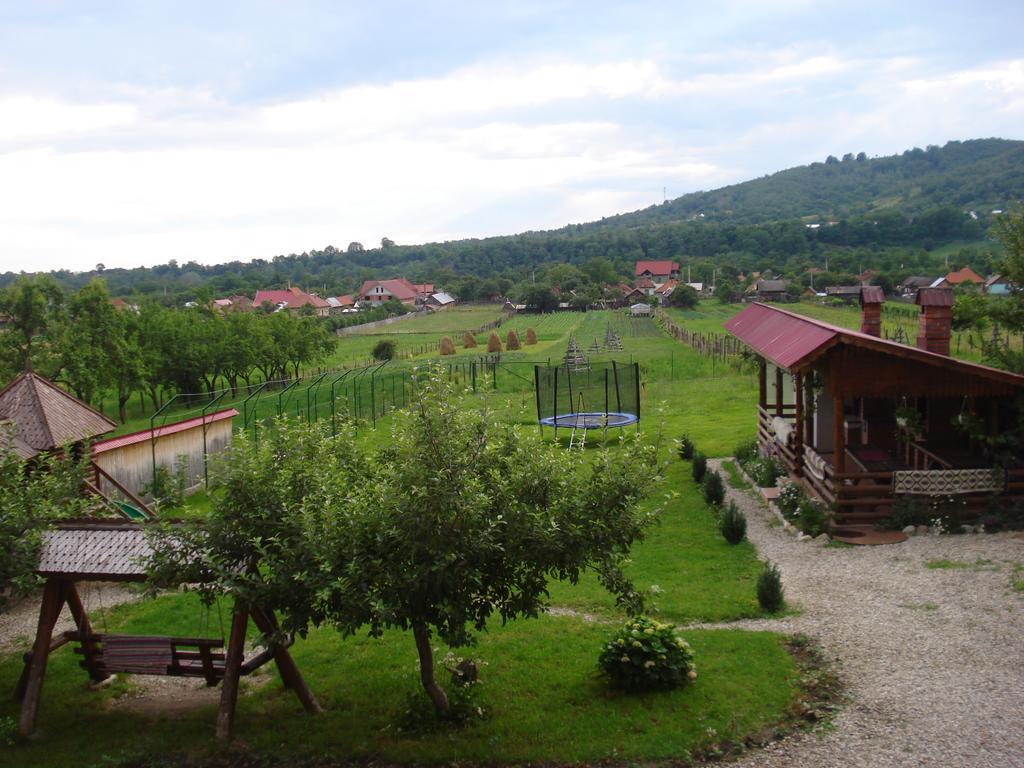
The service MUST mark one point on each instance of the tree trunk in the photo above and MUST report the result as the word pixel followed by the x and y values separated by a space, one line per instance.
pixel 122 401
pixel 434 691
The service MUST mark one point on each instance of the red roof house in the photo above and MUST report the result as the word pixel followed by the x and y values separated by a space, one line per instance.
pixel 379 291
pixel 292 299
pixel 965 276
pixel 662 270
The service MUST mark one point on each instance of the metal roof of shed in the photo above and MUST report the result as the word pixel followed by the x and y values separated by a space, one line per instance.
pixel 145 435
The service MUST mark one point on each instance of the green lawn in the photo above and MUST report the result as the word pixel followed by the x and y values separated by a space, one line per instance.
pixel 540 683
pixel 547 703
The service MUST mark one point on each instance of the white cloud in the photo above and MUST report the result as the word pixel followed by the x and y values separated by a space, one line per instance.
pixel 145 176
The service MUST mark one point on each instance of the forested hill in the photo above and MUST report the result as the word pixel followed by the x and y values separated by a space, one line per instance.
pixel 919 212
pixel 981 174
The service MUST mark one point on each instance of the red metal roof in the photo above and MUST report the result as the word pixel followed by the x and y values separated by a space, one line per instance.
pixel 789 340
pixel 399 287
pixel 145 435
pixel 659 268
pixel 779 336
pixel 293 298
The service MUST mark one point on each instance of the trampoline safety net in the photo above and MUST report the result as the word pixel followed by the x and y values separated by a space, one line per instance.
pixel 607 394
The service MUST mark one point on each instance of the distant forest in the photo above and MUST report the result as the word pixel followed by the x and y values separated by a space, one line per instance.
pixel 906 214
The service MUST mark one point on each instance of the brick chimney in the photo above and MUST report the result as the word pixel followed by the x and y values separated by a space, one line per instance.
pixel 871 299
pixel 935 324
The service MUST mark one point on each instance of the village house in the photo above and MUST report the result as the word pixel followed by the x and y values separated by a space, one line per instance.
pixel 658 271
pixel 771 290
pixel 440 300
pixel 997 285
pixel 849 294
pixel 910 286
pixel 862 420
pixel 964 276
pixel 380 291
pixel 293 299
pixel 343 304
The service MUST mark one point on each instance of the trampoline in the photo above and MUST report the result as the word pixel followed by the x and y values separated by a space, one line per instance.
pixel 605 395
pixel 597 420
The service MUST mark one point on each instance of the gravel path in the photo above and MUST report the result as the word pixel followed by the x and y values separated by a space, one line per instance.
pixel 18 624
pixel 933 659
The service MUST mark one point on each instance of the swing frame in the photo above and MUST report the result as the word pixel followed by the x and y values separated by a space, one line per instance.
pixel 113 552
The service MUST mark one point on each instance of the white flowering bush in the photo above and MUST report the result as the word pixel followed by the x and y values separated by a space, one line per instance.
pixel 789 498
pixel 647 655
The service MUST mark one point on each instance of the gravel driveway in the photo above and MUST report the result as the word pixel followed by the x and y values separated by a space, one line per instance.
pixel 933 658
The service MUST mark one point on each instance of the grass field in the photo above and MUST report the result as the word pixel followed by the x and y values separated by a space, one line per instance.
pixel 546 702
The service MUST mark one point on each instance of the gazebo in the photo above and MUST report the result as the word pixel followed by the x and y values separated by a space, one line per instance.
pixel 863 420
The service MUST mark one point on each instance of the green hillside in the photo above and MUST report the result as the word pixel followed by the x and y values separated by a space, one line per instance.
pixel 980 175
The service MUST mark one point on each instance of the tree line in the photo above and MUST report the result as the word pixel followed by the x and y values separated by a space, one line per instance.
pixel 95 349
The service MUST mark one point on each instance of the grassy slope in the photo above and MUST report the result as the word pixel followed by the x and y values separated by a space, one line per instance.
pixel 548 704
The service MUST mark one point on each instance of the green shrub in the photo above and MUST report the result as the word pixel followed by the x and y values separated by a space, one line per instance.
pixel 384 350
pixel 810 517
pixel 419 716
pixel 788 501
pixel 685 448
pixel 700 466
pixel 746 452
pixel 770 595
pixel 764 472
pixel 905 511
pixel 647 655
pixel 733 524
pixel 713 488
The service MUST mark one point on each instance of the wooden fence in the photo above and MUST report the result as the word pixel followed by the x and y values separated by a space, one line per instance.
pixel 717 345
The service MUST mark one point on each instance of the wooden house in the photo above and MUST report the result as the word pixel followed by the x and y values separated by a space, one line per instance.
pixel 772 290
pixel 834 406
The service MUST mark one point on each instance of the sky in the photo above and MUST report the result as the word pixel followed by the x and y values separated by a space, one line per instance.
pixel 133 133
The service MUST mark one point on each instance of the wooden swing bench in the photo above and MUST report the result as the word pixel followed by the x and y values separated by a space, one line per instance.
pixel 107 654
pixel 113 551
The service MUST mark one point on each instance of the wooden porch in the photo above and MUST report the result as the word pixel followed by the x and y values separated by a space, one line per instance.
pixel 865 487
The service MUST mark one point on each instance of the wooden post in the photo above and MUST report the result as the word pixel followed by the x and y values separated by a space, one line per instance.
pixel 778 391
pixel 290 674
pixel 762 383
pixel 81 618
pixel 798 439
pixel 49 611
pixel 232 668
pixel 838 439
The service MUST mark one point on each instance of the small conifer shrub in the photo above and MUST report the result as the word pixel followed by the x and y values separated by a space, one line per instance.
pixel 733 524
pixel 468 340
pixel 685 448
pixel 512 340
pixel 447 346
pixel 493 343
pixel 531 336
pixel 770 594
pixel 700 466
pixel 713 488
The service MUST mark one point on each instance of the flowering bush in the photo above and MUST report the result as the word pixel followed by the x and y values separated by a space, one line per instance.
pixel 789 498
pixel 647 655
pixel 763 471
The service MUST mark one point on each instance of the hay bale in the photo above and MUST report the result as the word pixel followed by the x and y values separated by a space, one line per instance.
pixel 468 340
pixel 531 336
pixel 447 346
pixel 493 343
pixel 512 340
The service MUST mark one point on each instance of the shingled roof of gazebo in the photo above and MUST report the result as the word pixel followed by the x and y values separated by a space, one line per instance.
pixel 101 551
pixel 46 417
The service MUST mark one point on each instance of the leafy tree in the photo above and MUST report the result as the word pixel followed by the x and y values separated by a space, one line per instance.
pixel 355 247
pixel 32 306
pixel 32 496
pixel 459 519
pixel 384 350
pixel 683 297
